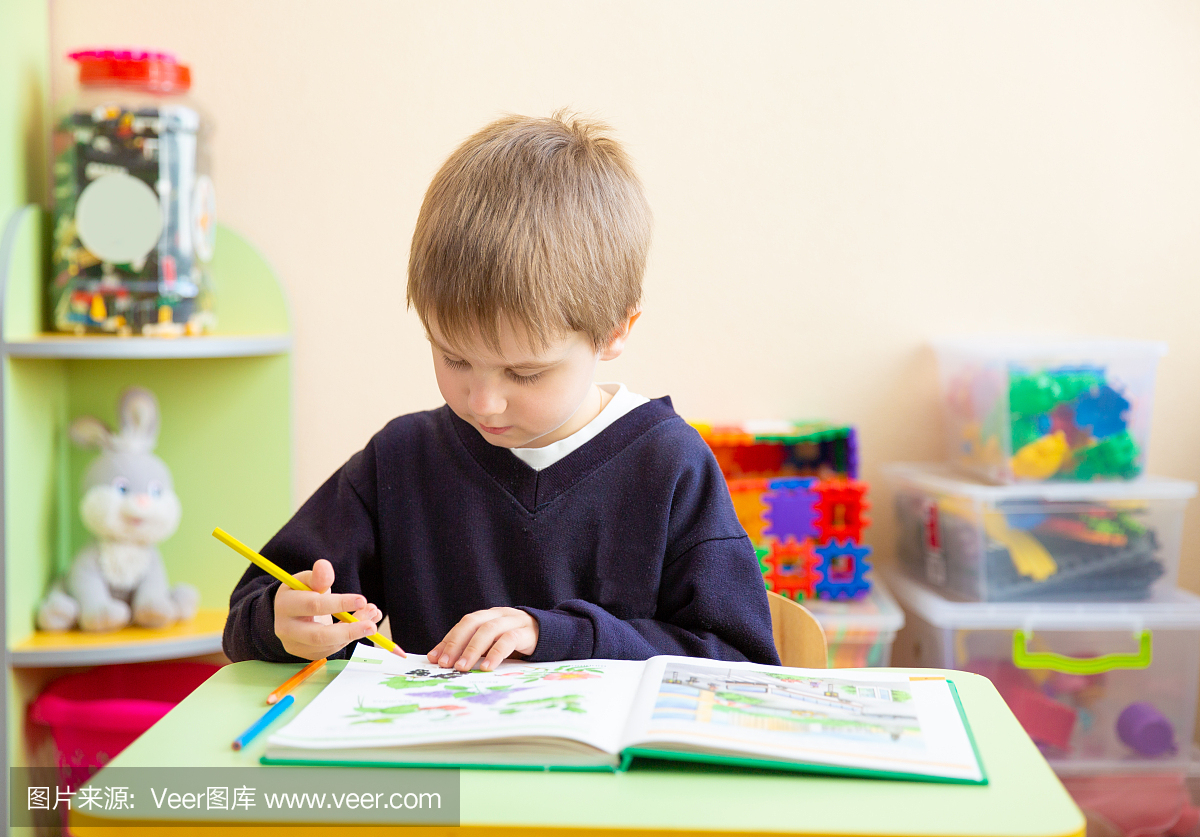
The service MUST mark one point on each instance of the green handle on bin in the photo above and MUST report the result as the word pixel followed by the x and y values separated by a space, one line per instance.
pixel 1024 658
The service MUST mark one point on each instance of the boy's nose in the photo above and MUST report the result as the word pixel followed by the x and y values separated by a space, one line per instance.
pixel 485 401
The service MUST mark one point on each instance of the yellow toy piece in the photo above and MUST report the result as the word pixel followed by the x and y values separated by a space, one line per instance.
pixel 98 312
pixel 1028 555
pixel 1040 459
pixel 1030 558
pixel 750 508
pixel 959 507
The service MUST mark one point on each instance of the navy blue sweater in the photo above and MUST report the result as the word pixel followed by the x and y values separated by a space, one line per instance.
pixel 625 548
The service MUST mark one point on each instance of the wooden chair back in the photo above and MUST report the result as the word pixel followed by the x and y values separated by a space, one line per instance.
pixel 799 638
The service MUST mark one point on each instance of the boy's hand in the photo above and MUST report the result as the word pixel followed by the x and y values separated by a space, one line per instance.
pixel 304 621
pixel 498 633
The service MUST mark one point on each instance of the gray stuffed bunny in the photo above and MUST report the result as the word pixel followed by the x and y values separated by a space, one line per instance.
pixel 130 505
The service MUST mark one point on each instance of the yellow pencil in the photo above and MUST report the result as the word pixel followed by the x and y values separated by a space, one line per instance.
pixel 290 580
pixel 295 680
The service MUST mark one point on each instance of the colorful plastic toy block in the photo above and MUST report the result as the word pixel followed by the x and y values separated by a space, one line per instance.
pixel 792 509
pixel 841 510
pixel 789 568
pixel 795 490
pixel 841 569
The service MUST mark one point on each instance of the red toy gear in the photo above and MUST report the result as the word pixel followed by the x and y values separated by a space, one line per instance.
pixel 789 568
pixel 841 510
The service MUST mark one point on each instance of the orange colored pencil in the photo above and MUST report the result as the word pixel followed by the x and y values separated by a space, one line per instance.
pixel 296 679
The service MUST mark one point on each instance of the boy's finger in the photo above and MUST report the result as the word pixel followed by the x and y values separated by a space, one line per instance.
pixel 370 613
pixel 485 636
pixel 298 644
pixel 322 576
pixel 501 650
pixel 338 635
pixel 320 604
pixel 453 643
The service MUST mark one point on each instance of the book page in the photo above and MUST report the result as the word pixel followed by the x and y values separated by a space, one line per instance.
pixel 382 700
pixel 867 720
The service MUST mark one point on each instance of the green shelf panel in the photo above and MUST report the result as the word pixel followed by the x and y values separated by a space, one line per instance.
pixel 35 404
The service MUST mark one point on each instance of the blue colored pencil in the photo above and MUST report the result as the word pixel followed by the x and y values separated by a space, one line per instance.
pixel 263 722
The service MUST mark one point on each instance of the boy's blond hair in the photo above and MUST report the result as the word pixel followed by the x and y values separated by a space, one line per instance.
pixel 540 222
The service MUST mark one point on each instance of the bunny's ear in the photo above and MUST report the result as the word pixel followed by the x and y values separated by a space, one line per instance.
pixel 90 432
pixel 139 417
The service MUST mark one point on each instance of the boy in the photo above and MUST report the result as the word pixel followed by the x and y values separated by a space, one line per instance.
pixel 537 514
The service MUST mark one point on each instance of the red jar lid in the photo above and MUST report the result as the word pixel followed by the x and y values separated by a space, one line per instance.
pixel 155 71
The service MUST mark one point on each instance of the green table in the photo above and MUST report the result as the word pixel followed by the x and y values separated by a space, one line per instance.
pixel 1023 797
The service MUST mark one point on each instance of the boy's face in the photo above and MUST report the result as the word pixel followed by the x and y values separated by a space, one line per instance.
pixel 520 397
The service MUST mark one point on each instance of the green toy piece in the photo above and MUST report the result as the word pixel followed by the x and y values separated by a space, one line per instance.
pixel 1130 524
pixel 1115 456
pixel 1103 526
pixel 1032 395
pixel 1025 430
pixel 764 566
pixel 1074 383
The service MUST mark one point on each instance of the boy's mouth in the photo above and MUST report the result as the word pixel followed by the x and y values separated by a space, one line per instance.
pixel 496 431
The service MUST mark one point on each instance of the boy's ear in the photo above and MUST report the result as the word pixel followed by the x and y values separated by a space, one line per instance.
pixel 617 344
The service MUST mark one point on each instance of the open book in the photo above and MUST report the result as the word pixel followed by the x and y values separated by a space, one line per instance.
pixel 601 714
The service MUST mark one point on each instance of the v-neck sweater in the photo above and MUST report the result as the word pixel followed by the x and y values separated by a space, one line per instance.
pixel 625 548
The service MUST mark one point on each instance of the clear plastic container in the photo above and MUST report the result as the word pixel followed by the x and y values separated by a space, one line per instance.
pixel 1025 410
pixel 134 205
pixel 859 633
pixel 1099 687
pixel 1108 541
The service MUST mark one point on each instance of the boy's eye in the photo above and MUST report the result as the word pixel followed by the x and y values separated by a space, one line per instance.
pixel 524 379
pixel 456 364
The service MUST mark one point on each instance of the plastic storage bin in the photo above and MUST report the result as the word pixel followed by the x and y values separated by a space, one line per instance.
pixel 1100 687
pixel 96 714
pixel 1063 541
pixel 859 633
pixel 1030 410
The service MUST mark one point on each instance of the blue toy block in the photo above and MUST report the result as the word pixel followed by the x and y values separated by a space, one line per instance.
pixel 1102 410
pixel 849 584
pixel 791 509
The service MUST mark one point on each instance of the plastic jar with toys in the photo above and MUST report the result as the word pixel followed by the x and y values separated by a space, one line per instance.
pixel 134 206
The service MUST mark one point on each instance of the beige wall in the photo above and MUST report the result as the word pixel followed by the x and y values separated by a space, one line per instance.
pixel 834 183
